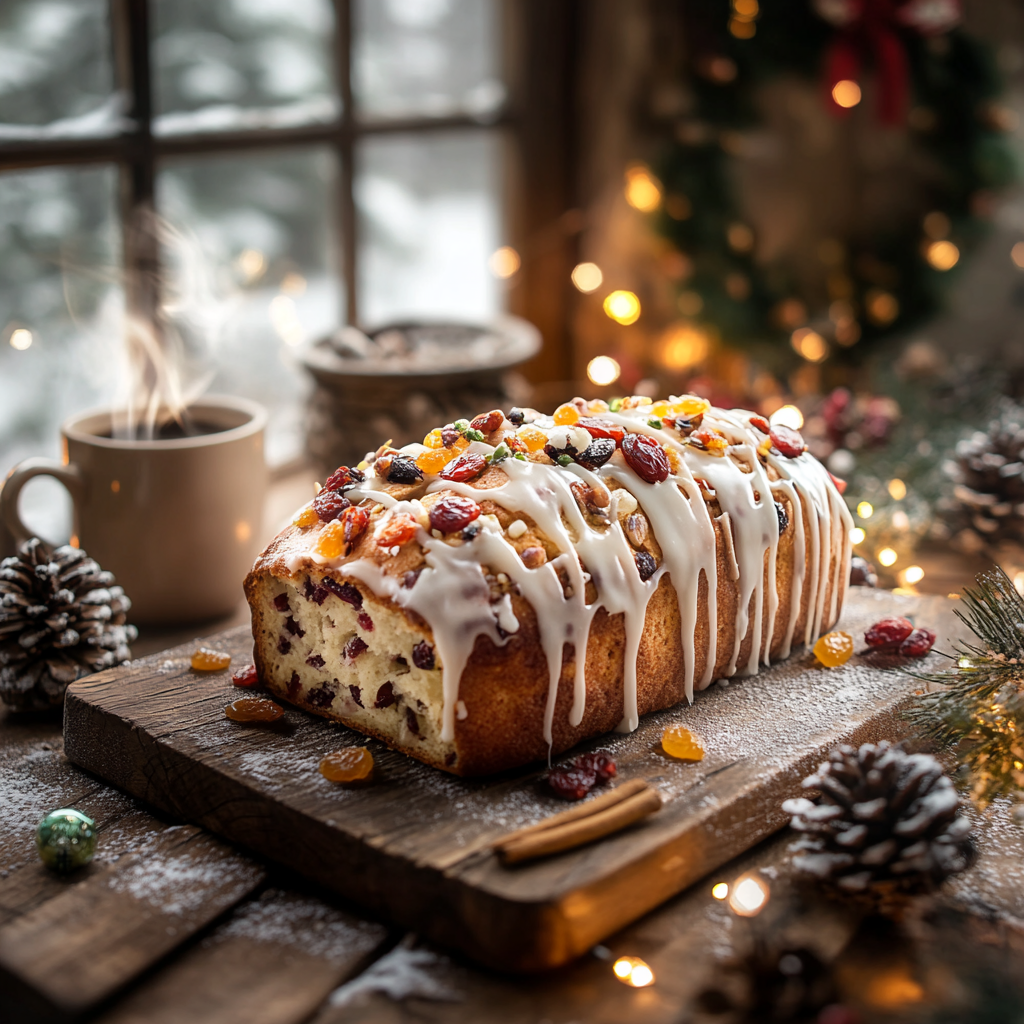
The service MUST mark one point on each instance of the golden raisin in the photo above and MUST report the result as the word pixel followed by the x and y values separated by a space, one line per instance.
pixel 433 439
pixel 253 709
pixel 533 437
pixel 331 542
pixel 660 409
pixel 208 660
pixel 434 460
pixel 566 415
pixel 834 648
pixel 690 406
pixel 306 517
pixel 350 764
pixel 677 741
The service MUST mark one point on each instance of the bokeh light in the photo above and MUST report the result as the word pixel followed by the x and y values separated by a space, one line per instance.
pixel 942 255
pixel 633 971
pixel 587 277
pixel 846 93
pixel 623 307
pixel 643 192
pixel 603 370
pixel 21 339
pixel 683 346
pixel 887 557
pixel 857 535
pixel 897 489
pixel 809 344
pixel 913 574
pixel 748 896
pixel 787 416
pixel 720 890
pixel 865 510
pixel 504 262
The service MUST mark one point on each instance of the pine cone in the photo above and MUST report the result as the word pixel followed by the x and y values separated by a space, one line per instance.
pixel 987 501
pixel 883 815
pixel 60 618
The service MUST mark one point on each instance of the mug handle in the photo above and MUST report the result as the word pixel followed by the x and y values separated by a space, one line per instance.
pixel 69 476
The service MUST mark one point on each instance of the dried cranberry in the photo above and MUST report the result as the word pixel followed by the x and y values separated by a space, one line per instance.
pixel 572 783
pixel 284 645
pixel 315 660
pixel 516 416
pixel 487 422
pixel 597 453
pixel 788 441
pixel 330 504
pixel 344 477
pixel 918 644
pixel 281 603
pixel 410 578
pixel 888 631
pixel 356 520
pixel 412 721
pixel 554 454
pixel 423 655
pixel 385 696
pixel 453 513
pixel 357 694
pixel 365 622
pixel 783 516
pixel 761 424
pixel 355 647
pixel 307 589
pixel 464 468
pixel 293 685
pixel 600 762
pixel 840 484
pixel 320 594
pixel 321 697
pixel 645 564
pixel 645 457
pixel 602 429
pixel 345 591
pixel 245 677
pixel 404 471
pixel 293 627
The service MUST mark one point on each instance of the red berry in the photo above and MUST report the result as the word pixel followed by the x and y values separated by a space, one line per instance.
pixel 356 520
pixel 329 505
pixel 464 468
pixel 355 647
pixel 601 428
pixel 488 421
pixel 788 441
pixel 365 622
pixel 645 457
pixel 918 644
pixel 343 590
pixel 761 424
pixel 245 677
pixel 343 477
pixel 453 513
pixel 600 762
pixel 385 696
pixel 281 602
pixel 572 783
pixel 888 631
pixel 399 529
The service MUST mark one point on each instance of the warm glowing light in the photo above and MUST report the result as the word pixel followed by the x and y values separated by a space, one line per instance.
pixel 293 284
pixel 749 895
pixel 846 93
pixel 252 263
pixel 284 315
pixel 633 971
pixel 587 277
pixel 740 237
pixel 787 416
pixel 810 344
pixel 893 990
pixel 897 489
pixel 603 370
pixel 1018 582
pixel 865 510
pixel 913 574
pixel 857 535
pixel 742 28
pixel 900 520
pixel 1017 254
pixel 720 890
pixel 942 255
pixel 115 486
pixel 745 8
pixel 683 346
pixel 882 307
pixel 21 339
pixel 243 531
pixel 623 307
pixel 690 303
pixel 936 224
pixel 643 191
pixel 504 262
pixel 887 557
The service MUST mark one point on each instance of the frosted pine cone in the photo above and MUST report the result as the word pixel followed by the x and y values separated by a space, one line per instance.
pixel 60 618
pixel 883 815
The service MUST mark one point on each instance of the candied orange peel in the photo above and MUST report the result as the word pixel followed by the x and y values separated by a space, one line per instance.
pixel 208 660
pixel 533 437
pixel 331 542
pixel 306 517
pixel 350 764
pixel 434 459
pixel 834 648
pixel 677 741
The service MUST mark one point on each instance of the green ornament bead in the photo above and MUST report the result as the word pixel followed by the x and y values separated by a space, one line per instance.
pixel 66 839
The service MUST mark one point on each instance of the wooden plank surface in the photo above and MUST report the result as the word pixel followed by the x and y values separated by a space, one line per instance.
pixel 413 846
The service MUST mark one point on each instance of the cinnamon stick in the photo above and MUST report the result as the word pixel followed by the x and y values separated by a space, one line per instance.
pixel 570 834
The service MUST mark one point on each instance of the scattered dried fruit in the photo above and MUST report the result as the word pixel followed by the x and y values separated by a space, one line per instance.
pixel 677 741
pixel 433 439
pixel 533 557
pixel 453 513
pixel 398 529
pixel 834 648
pixel 306 517
pixel 355 520
pixel 636 529
pixel 464 468
pixel 245 677
pixel 645 564
pixel 487 422
pixel 710 440
pixel 344 477
pixel 600 762
pixel 423 655
pixel 599 428
pixel 918 644
pixel 566 414
pixel 355 647
pixel 385 696
pixel 572 783
pixel 533 437
pixel 403 470
pixel 331 542
pixel 783 516
pixel 597 453
pixel 788 441
pixel 328 505
pixel 516 416
pixel 760 423
pixel 254 709
pixel 350 764
pixel 888 631
pixel 365 622
pixel 346 591
pixel 281 603
pixel 645 457
pixel 434 460
pixel 208 660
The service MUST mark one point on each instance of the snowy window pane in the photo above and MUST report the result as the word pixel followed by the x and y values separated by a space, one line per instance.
pixel 59 289
pixel 250 253
pixel 236 64
pixel 426 57
pixel 54 62
pixel 429 210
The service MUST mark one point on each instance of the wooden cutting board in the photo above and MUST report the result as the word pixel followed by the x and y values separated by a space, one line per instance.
pixel 414 846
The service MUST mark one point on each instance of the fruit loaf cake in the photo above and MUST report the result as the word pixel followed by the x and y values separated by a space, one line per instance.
pixel 518 583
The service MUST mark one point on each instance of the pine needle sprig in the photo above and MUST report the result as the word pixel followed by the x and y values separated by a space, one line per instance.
pixel 978 710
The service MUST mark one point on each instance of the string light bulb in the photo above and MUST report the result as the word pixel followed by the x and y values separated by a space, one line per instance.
pixel 846 93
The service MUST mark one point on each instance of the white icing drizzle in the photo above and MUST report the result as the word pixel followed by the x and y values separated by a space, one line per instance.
pixel 454 597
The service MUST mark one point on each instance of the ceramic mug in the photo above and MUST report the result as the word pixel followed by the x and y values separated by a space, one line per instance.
pixel 177 521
